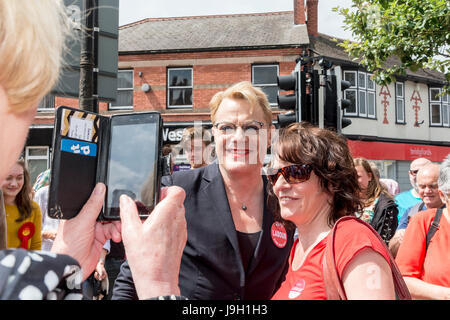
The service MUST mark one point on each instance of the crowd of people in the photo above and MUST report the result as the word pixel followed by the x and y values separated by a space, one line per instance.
pixel 225 229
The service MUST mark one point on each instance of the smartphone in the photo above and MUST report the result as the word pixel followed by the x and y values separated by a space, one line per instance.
pixel 122 151
pixel 133 163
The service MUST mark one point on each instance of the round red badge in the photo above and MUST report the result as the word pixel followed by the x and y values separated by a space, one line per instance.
pixel 279 234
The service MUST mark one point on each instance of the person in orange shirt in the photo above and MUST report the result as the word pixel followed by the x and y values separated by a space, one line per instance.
pixel 426 266
pixel 23 215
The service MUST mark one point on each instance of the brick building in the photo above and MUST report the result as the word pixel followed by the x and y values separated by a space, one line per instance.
pixel 175 66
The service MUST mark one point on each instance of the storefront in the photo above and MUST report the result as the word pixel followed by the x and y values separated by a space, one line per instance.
pixel 393 159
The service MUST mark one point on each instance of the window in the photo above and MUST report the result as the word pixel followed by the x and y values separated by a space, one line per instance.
pixel 446 110
pixel 439 108
pixel 37 159
pixel 179 88
pixel 361 94
pixel 125 86
pixel 400 102
pixel 265 77
pixel 47 104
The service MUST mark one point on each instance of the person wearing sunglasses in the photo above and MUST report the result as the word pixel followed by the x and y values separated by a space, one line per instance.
pixel 234 249
pixel 407 199
pixel 423 257
pixel 427 185
pixel 315 183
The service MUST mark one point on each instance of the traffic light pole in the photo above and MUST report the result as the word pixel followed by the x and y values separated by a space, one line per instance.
pixel 87 101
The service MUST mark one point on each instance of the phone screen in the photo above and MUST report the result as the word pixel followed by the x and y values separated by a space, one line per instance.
pixel 132 168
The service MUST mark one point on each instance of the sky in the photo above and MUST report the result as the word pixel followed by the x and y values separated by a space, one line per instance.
pixel 329 22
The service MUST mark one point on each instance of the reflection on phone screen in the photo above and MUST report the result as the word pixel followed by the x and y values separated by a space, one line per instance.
pixel 132 165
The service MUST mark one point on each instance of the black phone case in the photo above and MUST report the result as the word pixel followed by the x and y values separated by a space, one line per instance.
pixel 80 162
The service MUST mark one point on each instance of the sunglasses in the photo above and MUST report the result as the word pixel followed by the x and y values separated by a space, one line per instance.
pixel 295 173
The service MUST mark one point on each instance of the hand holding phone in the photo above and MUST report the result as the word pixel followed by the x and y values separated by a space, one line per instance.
pixel 122 151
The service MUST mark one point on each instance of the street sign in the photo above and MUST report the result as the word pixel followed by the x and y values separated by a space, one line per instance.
pixel 106 49
pixel 69 78
pixel 105 44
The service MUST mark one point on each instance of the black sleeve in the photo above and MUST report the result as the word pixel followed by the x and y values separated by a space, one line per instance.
pixel 390 223
pixel 124 288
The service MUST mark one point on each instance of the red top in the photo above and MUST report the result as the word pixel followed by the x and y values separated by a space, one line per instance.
pixel 306 283
pixel 434 267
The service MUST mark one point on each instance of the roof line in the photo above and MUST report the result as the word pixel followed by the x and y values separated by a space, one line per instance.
pixel 202 17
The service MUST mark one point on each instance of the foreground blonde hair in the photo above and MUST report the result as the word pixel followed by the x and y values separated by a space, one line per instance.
pixel 246 91
pixel 32 37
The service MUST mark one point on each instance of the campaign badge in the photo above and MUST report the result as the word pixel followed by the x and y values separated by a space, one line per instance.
pixel 279 234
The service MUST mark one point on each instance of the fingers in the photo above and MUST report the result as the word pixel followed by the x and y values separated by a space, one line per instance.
pixel 172 203
pixel 128 213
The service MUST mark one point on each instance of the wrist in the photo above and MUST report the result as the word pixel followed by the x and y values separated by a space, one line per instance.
pixel 150 289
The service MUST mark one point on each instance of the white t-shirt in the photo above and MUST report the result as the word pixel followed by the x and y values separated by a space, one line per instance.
pixel 48 224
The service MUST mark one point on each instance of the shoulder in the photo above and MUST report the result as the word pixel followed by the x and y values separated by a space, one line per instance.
pixel 188 179
pixel 35 206
pixel 386 200
pixel 424 217
pixel 350 229
pixel 42 192
pixel 36 210
pixel 351 237
pixel 405 196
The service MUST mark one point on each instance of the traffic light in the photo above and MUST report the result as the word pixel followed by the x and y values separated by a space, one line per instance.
pixel 343 103
pixel 288 101
pixel 330 107
pixel 335 104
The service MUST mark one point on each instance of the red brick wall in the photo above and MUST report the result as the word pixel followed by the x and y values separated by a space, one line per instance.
pixel 208 79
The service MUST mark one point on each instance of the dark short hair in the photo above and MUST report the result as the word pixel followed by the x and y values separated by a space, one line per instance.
pixel 328 154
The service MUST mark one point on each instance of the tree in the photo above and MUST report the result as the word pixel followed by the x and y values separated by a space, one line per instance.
pixel 417 32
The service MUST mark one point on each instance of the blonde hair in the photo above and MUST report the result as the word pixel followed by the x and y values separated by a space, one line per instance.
pixel 242 90
pixel 32 39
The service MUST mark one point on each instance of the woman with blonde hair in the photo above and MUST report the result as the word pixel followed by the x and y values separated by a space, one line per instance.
pixel 32 35
pixel 380 210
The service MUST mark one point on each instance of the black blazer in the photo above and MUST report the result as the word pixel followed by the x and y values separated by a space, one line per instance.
pixel 211 266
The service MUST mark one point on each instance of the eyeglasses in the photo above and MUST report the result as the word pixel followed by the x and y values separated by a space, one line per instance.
pixel 295 173
pixel 229 128
pixel 413 172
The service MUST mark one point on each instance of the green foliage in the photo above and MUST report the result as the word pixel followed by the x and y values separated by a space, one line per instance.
pixel 417 32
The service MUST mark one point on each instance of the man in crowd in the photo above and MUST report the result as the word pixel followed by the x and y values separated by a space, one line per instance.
pixel 427 184
pixel 407 199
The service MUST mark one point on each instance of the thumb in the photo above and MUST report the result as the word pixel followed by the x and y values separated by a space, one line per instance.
pixel 173 195
pixel 129 214
pixel 173 201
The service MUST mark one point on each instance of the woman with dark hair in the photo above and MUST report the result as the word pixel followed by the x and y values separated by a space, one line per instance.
pixel 380 210
pixel 23 215
pixel 315 182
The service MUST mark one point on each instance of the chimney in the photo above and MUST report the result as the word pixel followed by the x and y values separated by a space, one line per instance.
pixel 299 11
pixel 312 14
